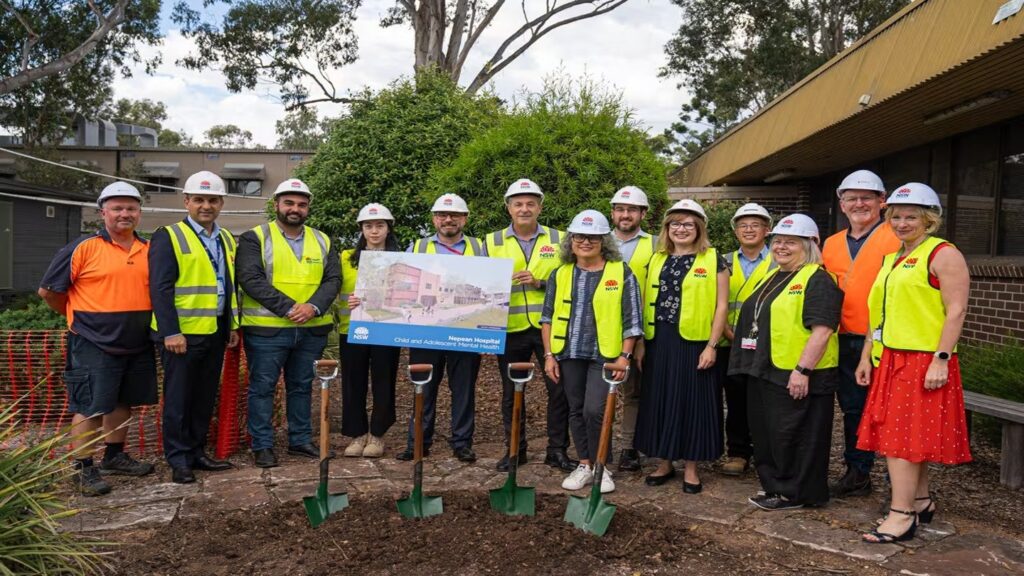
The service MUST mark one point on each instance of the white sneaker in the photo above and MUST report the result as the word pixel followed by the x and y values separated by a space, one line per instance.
pixel 607 485
pixel 355 448
pixel 579 478
pixel 374 447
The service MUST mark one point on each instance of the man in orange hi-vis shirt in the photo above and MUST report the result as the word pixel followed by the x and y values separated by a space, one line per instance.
pixel 854 255
pixel 101 283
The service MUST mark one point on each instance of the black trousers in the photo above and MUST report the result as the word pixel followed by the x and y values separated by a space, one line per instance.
pixel 526 346
pixel 737 430
pixel 367 368
pixel 587 393
pixel 191 383
pixel 792 440
pixel 463 368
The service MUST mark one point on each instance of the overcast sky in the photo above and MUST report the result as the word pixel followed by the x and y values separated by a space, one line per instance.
pixel 624 49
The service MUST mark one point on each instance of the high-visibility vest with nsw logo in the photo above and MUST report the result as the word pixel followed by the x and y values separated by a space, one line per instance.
pixel 697 301
pixel 195 290
pixel 349 275
pixel 607 303
pixel 741 286
pixel 526 303
pixel 904 305
pixel 641 258
pixel 428 246
pixel 856 275
pixel 297 278
pixel 789 336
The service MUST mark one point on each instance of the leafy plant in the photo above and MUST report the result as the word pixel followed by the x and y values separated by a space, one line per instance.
pixel 33 315
pixel 31 540
pixel 720 225
pixel 995 371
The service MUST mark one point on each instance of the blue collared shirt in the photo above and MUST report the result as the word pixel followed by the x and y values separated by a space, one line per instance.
pixel 748 265
pixel 457 249
pixel 526 245
pixel 211 240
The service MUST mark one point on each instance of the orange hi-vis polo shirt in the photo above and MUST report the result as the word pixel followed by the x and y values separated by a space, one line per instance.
pixel 856 275
pixel 108 291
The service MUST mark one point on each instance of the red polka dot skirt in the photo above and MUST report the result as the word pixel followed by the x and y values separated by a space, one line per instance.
pixel 904 420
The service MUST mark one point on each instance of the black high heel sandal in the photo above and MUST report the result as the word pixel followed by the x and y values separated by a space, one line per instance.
pixel 886 538
pixel 925 516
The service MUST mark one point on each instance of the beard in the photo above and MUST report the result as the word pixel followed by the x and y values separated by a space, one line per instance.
pixel 292 219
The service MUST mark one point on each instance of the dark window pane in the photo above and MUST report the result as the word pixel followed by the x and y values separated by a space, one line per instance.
pixel 907 166
pixel 975 156
pixel 245 187
pixel 1011 214
pixel 154 185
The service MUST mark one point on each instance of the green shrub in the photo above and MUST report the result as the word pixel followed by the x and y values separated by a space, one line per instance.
pixel 31 314
pixel 384 148
pixel 720 225
pixel 577 142
pixel 995 371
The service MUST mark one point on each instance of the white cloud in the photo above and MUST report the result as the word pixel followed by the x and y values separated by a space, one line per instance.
pixel 624 49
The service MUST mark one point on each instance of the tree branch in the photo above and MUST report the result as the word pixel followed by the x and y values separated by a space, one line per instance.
pixel 297 105
pixel 107 23
pixel 451 56
pixel 484 23
pixel 31 36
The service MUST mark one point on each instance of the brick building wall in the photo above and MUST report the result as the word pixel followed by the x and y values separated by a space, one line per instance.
pixel 779 200
pixel 995 309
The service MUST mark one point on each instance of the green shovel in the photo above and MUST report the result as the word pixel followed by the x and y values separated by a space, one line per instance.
pixel 511 499
pixel 593 514
pixel 416 505
pixel 319 507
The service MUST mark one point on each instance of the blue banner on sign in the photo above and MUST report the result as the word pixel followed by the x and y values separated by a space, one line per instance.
pixel 485 341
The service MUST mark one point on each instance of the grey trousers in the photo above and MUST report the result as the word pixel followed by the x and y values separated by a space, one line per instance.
pixel 587 394
pixel 629 393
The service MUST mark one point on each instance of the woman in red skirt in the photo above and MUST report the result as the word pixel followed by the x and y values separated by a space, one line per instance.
pixel 915 408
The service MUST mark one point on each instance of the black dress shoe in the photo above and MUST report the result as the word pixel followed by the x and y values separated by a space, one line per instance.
pixel 204 462
pixel 408 454
pixel 629 460
pixel 653 480
pixel 305 450
pixel 692 488
pixel 264 458
pixel 182 476
pixel 503 463
pixel 559 459
pixel 465 454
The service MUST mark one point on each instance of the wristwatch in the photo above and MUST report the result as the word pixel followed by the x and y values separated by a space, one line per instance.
pixel 627 355
pixel 802 370
pixel 942 355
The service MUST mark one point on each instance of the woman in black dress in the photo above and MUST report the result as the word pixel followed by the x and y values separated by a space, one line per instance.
pixel 685 308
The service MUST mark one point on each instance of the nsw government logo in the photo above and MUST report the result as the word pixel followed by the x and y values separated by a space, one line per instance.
pixel 910 263
pixel 361 333
pixel 796 289
pixel 611 285
pixel 547 251
pixel 700 273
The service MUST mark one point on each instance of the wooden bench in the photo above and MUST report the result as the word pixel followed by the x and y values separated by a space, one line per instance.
pixel 1011 467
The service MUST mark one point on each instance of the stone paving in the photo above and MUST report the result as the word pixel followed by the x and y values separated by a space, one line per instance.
pixel 937 550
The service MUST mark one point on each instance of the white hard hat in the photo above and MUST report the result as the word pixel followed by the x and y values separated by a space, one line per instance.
pixel 797 225
pixel 861 180
pixel 118 190
pixel 589 222
pixel 450 203
pixel 524 186
pixel 374 211
pixel 752 209
pixel 205 183
pixel 293 186
pixel 687 205
pixel 916 194
pixel 630 195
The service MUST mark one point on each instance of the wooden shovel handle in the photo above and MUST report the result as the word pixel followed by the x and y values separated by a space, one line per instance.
pixel 324 426
pixel 606 430
pixel 326 363
pixel 517 408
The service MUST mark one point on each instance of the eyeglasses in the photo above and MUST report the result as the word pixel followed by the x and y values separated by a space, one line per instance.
pixel 860 199
pixel 755 226
pixel 581 238
pixel 676 225
pixel 626 210
pixel 447 215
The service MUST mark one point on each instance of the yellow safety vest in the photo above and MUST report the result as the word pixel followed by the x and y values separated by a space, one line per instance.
pixel 428 246
pixel 741 287
pixel 607 303
pixel 195 290
pixel 349 275
pixel 638 262
pixel 296 278
pixel 526 303
pixel 697 301
pixel 904 305
pixel 789 336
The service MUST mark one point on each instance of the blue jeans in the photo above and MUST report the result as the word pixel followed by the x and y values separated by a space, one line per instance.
pixel 292 350
pixel 852 398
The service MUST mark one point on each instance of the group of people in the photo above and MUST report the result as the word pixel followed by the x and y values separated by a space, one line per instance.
pixel 779 329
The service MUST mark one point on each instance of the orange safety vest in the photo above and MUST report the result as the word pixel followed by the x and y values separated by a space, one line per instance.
pixel 855 276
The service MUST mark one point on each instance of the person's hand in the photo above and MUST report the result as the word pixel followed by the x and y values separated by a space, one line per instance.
pixel 638 355
pixel 729 334
pixel 707 357
pixel 176 344
pixel 301 313
pixel 863 373
pixel 525 277
pixel 353 301
pixel 798 385
pixel 233 339
pixel 621 367
pixel 551 368
pixel 937 375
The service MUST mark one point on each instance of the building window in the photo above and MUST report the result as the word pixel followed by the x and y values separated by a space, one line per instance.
pixel 1011 207
pixel 975 159
pixel 154 185
pixel 245 187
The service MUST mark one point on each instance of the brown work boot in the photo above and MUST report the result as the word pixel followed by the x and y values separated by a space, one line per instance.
pixel 735 465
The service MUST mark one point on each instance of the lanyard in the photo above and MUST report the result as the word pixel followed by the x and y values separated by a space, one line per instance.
pixel 763 296
pixel 449 248
pixel 214 261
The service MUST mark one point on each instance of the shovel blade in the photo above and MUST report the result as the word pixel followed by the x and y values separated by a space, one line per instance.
pixel 416 505
pixel 319 507
pixel 591 514
pixel 513 500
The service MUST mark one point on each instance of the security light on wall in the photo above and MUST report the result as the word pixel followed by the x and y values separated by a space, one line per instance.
pixel 968 106
pixel 864 99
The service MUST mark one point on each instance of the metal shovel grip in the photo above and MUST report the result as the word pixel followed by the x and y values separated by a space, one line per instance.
pixel 428 369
